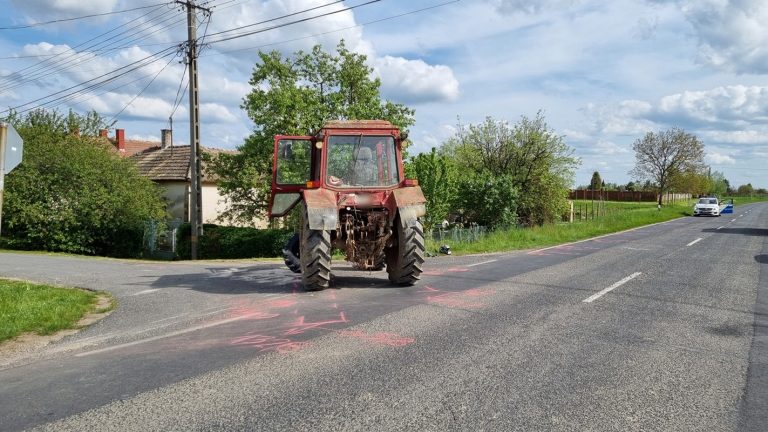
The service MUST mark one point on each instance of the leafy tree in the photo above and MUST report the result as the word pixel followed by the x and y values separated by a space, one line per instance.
pixel 691 181
pixel 538 162
pixel 746 189
pixel 630 186
pixel 437 178
pixel 660 156
pixel 719 184
pixel 74 193
pixel 487 199
pixel 295 96
pixel 596 183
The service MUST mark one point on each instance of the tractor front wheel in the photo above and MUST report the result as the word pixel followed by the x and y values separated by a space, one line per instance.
pixel 315 257
pixel 291 254
pixel 405 257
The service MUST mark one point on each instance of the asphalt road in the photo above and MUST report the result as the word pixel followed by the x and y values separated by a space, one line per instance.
pixel 659 328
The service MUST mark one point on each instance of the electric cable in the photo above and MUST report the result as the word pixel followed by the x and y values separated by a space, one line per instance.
pixel 79 18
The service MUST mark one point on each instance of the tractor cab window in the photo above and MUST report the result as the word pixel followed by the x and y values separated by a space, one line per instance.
pixel 293 161
pixel 362 160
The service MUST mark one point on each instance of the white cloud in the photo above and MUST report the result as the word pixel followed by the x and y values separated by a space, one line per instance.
pixel 719 158
pixel 731 33
pixel 58 9
pixel 507 7
pixel 737 137
pixel 214 112
pixel 736 105
pixel 414 81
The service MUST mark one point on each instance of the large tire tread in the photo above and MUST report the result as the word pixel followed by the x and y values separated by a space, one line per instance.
pixel 404 263
pixel 315 258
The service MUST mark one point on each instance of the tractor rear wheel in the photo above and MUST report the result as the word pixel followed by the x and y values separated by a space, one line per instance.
pixel 315 257
pixel 291 254
pixel 405 257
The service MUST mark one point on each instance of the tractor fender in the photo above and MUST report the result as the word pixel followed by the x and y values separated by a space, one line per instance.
pixel 322 211
pixel 410 203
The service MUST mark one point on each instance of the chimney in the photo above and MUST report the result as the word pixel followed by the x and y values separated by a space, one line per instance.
pixel 166 139
pixel 103 133
pixel 120 140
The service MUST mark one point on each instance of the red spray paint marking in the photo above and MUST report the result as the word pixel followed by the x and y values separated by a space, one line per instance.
pixel 428 288
pixel 300 326
pixel 432 273
pixel 382 338
pixel 457 270
pixel 269 343
pixel 280 303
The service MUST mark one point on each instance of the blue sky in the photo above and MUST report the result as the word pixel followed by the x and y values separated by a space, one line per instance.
pixel 603 73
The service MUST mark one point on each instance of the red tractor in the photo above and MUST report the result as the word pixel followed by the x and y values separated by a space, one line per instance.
pixel 354 197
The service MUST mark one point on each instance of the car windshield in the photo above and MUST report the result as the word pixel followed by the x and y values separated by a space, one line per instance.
pixel 362 160
pixel 708 201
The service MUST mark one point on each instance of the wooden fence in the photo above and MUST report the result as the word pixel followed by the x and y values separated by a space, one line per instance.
pixel 637 196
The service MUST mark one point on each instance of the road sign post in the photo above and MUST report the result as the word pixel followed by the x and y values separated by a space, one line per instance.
pixel 3 139
pixel 11 150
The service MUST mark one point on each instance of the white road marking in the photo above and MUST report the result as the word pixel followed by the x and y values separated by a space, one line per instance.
pixel 481 263
pixel 594 297
pixel 733 220
pixel 694 242
pixel 720 227
pixel 167 335
pixel 634 249
pixel 146 291
pixel 599 237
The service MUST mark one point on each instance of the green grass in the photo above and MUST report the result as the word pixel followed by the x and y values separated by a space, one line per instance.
pixel 42 309
pixel 619 216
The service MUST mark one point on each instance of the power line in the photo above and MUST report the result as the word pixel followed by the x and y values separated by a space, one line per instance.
pixel 337 30
pixel 237 36
pixel 273 19
pixel 114 117
pixel 47 64
pixel 79 18
pixel 164 53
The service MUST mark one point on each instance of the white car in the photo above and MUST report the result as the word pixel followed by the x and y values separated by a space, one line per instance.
pixel 707 207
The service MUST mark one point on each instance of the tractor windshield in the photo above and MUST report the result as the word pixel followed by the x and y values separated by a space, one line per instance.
pixel 362 160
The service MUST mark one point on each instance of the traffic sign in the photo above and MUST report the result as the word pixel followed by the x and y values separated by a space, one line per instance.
pixel 14 148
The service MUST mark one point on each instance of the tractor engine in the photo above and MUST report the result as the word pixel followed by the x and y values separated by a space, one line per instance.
pixel 365 234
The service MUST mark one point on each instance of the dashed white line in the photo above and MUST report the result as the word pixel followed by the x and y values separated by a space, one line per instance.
pixel 733 220
pixel 146 291
pixel 720 227
pixel 694 242
pixel 481 263
pixel 596 296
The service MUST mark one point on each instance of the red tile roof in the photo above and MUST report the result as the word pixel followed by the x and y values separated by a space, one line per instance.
pixel 171 163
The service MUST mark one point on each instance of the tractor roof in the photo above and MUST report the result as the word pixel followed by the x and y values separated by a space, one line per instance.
pixel 358 124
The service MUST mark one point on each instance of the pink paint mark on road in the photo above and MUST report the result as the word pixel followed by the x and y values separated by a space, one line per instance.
pixel 428 288
pixel 381 338
pixel 433 273
pixel 269 343
pixel 300 326
pixel 457 270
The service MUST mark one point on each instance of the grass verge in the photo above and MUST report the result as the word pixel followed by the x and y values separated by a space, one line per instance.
pixel 624 216
pixel 42 309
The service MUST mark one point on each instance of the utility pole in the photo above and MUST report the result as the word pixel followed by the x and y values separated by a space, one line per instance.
pixel 195 190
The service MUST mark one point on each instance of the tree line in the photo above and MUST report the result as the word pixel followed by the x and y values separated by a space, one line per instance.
pixel 73 193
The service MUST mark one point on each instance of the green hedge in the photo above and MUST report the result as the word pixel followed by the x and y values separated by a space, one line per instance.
pixel 220 242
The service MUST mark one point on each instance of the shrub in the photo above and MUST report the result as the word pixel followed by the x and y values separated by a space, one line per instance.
pixel 220 242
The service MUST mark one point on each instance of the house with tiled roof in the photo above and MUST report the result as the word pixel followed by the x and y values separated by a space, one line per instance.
pixel 168 165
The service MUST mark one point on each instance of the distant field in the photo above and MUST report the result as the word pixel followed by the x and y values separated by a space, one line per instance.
pixel 618 216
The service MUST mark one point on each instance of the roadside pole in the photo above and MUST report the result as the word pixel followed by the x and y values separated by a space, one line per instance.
pixel 3 139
